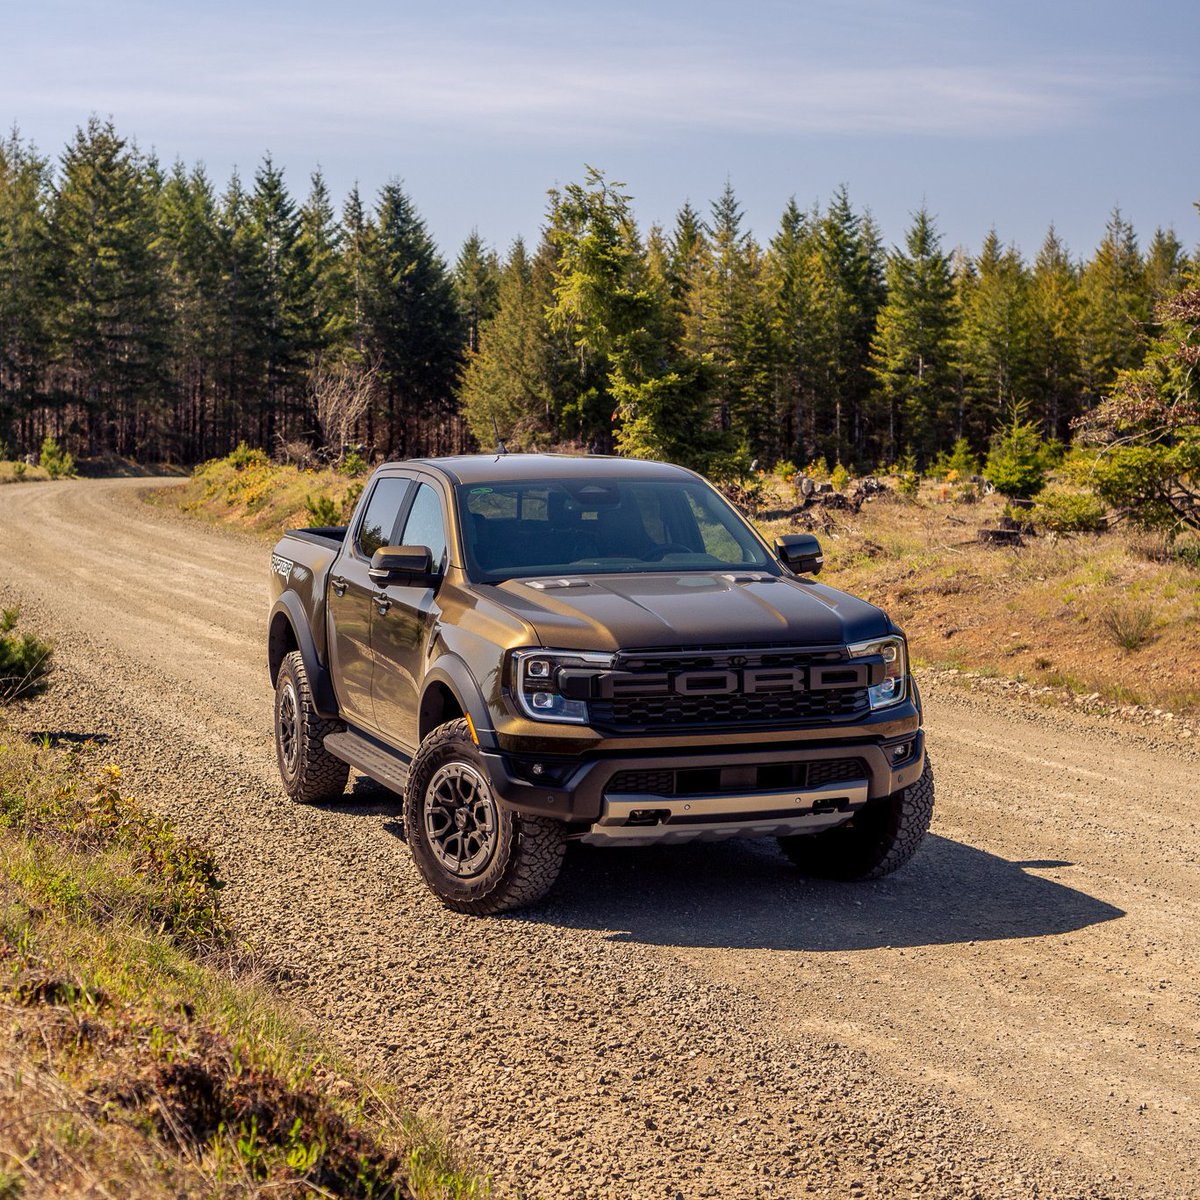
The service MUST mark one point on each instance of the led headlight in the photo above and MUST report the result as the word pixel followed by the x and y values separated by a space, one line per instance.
pixel 895 664
pixel 538 683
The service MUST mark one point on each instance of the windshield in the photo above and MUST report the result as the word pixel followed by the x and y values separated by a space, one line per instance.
pixel 597 526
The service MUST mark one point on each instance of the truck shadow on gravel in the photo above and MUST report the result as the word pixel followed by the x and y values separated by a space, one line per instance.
pixel 745 895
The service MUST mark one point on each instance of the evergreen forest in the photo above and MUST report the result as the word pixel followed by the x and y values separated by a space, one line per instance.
pixel 153 313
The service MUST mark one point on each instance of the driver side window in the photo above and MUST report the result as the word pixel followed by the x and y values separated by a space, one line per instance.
pixel 383 509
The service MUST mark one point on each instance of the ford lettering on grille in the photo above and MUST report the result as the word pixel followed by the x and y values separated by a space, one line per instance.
pixel 756 681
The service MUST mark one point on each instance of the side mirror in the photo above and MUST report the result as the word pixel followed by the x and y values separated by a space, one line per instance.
pixel 801 552
pixel 401 564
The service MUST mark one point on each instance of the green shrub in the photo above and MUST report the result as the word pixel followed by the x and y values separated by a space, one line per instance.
pixel 839 477
pixel 54 460
pixel 354 465
pixel 24 661
pixel 960 460
pixel 322 510
pixel 1053 453
pixel 1128 626
pixel 244 457
pixel 908 478
pixel 1063 511
pixel 1015 462
pixel 1187 553
pixel 1151 483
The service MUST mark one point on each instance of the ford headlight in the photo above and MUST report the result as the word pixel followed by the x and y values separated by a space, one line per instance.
pixel 895 669
pixel 552 685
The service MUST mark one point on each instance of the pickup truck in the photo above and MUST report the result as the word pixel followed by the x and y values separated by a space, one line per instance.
pixel 533 649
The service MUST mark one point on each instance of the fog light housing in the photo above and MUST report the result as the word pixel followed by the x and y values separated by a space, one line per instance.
pixel 545 772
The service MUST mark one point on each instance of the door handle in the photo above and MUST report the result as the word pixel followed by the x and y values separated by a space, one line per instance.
pixel 382 604
pixel 339 586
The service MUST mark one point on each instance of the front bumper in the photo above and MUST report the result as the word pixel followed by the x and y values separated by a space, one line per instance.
pixel 601 813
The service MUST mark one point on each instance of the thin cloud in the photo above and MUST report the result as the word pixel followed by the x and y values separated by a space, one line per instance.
pixel 452 86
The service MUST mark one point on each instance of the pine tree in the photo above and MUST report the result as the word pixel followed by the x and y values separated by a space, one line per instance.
pixel 320 243
pixel 1115 307
pixel 239 320
pixel 912 353
pixel 607 302
pixel 1054 309
pixel 516 382
pixel 477 281
pixel 413 328
pixel 728 287
pixel 288 322
pixel 110 325
pixel 994 338
pixel 845 290
pixel 788 284
pixel 188 230
pixel 25 289
pixel 1165 265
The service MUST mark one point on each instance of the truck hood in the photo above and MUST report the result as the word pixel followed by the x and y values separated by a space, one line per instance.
pixel 614 612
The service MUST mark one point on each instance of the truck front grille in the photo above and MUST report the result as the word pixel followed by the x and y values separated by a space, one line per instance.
pixel 787 709
pixel 628 712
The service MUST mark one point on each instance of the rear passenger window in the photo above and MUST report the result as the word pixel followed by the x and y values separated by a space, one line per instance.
pixel 426 526
pixel 383 509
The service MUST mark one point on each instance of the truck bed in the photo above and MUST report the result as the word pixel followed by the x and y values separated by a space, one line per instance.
pixel 300 563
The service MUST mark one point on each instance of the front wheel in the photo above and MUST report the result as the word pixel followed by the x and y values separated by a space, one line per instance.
pixel 879 839
pixel 475 856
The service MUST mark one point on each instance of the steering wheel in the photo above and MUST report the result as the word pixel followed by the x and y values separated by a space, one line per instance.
pixel 661 552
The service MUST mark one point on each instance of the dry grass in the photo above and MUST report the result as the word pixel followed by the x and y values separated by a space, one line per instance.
pixel 1128 626
pixel 19 472
pixel 251 493
pixel 144 1057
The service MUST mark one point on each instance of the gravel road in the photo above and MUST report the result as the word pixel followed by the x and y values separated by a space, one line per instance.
pixel 1015 1014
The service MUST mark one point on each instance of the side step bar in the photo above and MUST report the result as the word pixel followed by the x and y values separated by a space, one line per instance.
pixel 383 764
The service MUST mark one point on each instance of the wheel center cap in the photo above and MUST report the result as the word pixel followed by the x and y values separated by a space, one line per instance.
pixel 460 818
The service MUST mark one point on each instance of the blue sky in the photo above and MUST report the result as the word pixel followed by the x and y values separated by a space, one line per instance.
pixel 1009 114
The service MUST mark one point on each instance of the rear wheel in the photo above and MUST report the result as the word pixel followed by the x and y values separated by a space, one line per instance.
pixel 879 839
pixel 475 856
pixel 309 772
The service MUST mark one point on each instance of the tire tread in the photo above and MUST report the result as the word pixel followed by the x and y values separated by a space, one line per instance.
pixel 873 850
pixel 322 776
pixel 537 843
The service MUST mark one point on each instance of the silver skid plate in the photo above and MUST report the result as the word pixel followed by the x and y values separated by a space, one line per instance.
pixel 713 816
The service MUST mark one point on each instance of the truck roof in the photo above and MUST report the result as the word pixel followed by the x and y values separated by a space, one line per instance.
pixel 512 468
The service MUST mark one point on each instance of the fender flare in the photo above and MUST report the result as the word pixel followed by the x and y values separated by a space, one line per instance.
pixel 453 673
pixel 288 608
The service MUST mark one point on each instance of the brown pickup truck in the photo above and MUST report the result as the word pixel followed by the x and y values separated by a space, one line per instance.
pixel 531 649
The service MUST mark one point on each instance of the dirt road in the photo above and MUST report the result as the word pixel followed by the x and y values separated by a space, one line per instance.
pixel 1015 1014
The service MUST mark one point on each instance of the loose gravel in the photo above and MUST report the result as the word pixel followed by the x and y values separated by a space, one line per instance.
pixel 1013 1015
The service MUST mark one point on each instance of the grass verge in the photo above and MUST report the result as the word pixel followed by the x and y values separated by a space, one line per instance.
pixel 140 1051
pixel 248 491
pixel 19 472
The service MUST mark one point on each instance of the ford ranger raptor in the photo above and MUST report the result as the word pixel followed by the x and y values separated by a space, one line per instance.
pixel 537 649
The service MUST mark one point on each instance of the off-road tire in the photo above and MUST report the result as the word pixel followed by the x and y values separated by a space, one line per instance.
pixel 879 839
pixel 309 772
pixel 519 857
